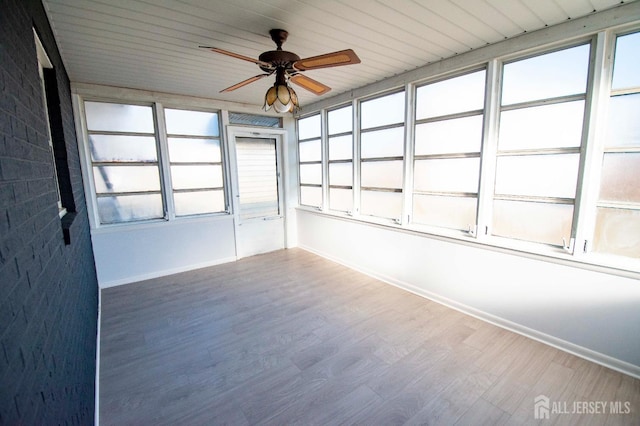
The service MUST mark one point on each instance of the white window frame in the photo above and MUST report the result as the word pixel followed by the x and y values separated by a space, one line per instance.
pixel 323 162
pixel 410 153
pixel 359 160
pixel 567 246
pixel 329 161
pixel 577 251
pixel 45 62
pixel 160 135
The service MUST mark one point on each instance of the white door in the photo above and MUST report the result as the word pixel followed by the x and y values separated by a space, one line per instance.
pixel 257 190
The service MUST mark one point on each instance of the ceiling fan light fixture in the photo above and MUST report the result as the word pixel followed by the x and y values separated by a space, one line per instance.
pixel 287 66
pixel 281 97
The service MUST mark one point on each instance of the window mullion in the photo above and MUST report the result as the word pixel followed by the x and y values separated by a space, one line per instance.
pixel 226 161
pixel 592 150
pixel 356 159
pixel 163 160
pixel 409 131
pixel 489 150
pixel 324 157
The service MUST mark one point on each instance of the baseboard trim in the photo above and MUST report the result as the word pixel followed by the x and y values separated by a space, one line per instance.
pixel 164 272
pixel 580 351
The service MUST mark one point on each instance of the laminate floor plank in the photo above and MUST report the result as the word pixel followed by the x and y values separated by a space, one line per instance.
pixel 291 338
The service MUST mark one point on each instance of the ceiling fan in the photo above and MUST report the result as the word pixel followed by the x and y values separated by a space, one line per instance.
pixel 288 67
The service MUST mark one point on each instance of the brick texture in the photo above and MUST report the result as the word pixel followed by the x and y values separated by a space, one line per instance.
pixel 48 289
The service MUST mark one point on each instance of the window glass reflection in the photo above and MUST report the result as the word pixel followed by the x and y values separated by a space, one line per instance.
pixel 444 211
pixel 309 127
pixel 382 143
pixel 541 127
pixel 109 117
pixel 310 150
pixel 449 136
pixel 550 75
pixel 382 111
pixel 186 150
pixel 196 123
pixel 538 175
pixel 454 95
pixel 545 223
pixel 382 174
pixel 340 120
pixel 122 148
pixel 129 208
pixel 626 69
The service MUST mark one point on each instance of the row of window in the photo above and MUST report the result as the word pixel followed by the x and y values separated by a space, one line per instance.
pixel 499 152
pixel 125 162
pixel 157 163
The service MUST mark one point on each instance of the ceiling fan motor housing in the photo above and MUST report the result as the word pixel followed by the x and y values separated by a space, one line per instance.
pixel 279 59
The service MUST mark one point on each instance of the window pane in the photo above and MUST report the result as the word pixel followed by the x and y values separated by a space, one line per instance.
pixel 311 196
pixel 340 174
pixel 122 148
pixel 381 174
pixel 624 124
pixel 196 176
pixel 383 143
pixel 183 150
pixel 382 111
pixel 196 123
pixel 309 127
pixel 620 177
pixel 341 199
pixel 126 178
pixel 446 212
pixel 340 120
pixel 459 94
pixel 310 150
pixel 626 68
pixel 381 204
pixel 617 232
pixel 449 136
pixel 447 175
pixel 199 202
pixel 109 117
pixel 538 175
pixel 127 208
pixel 341 148
pixel 311 173
pixel 548 126
pixel 546 76
pixel 537 222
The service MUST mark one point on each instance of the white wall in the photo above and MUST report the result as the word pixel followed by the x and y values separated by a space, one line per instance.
pixel 592 314
pixel 126 254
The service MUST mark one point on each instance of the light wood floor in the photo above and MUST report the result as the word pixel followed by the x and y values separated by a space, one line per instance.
pixel 291 338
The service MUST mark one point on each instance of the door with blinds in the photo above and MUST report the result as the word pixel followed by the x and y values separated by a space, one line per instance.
pixel 258 206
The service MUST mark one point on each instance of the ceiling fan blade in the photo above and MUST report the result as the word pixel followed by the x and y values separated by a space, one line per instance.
pixel 334 59
pixel 310 84
pixel 244 83
pixel 238 56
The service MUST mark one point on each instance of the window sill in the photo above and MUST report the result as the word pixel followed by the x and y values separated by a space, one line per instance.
pixel 158 223
pixel 613 265
pixel 66 221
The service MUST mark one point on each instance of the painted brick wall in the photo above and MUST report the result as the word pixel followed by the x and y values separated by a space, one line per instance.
pixel 48 288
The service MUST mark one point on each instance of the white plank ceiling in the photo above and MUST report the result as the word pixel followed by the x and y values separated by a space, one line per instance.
pixel 153 44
